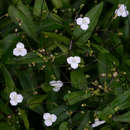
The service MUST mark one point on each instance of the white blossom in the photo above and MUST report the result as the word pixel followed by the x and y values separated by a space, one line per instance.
pixel 49 119
pixel 15 98
pixel 97 123
pixel 19 50
pixel 83 22
pixel 73 61
pixel 122 11
pixel 56 84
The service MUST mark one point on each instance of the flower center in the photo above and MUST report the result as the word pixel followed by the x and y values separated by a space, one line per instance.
pixel 73 60
pixel 20 49
pixel 50 119
pixel 121 10
pixel 84 21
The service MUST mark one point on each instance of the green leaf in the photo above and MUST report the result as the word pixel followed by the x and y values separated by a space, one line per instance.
pixel 36 99
pixel 75 97
pixel 24 117
pixel 85 122
pixel 5 126
pixel 64 126
pixel 119 103
pixel 26 21
pixel 94 15
pixel 123 118
pixel 6 43
pixel 28 59
pixel 35 103
pixel 9 83
pixel 57 3
pixel 4 108
pixel 25 77
pixel 21 7
pixel 78 79
pixel 57 37
pixel 39 6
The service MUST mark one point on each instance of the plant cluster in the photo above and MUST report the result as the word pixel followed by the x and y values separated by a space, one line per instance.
pixel 64 65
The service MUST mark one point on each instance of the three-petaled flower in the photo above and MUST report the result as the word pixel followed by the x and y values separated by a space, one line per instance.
pixel 56 84
pixel 122 11
pixel 83 22
pixel 49 119
pixel 73 61
pixel 15 98
pixel 97 123
pixel 19 50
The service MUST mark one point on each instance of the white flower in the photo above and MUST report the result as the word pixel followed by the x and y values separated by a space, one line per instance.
pixel 15 98
pixel 19 50
pixel 122 11
pixel 73 61
pixel 56 84
pixel 49 118
pixel 83 22
pixel 97 123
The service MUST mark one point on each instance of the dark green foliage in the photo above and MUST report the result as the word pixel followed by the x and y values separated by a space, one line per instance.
pixel 99 88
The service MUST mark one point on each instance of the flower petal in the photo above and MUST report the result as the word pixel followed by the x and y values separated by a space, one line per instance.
pixel 59 83
pixel 87 20
pixel 79 21
pixel 74 65
pixel 53 117
pixel 52 83
pixel 46 116
pixel 47 122
pixel 84 26
pixel 56 89
pixel 13 102
pixel 12 94
pixel 77 59
pixel 19 98
pixel 16 52
pixel 23 52
pixel 97 123
pixel 125 14
pixel 69 60
pixel 20 45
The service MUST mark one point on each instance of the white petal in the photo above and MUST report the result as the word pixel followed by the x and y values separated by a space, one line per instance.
pixel 77 59
pixel 53 117
pixel 52 83
pixel 117 12
pixel 84 26
pixel 79 21
pixel 74 65
pixel 122 7
pixel 87 20
pixel 13 102
pixel 97 123
pixel 46 116
pixel 20 45
pixel 69 60
pixel 19 98
pixel 12 94
pixel 102 122
pixel 56 89
pixel 16 52
pixel 94 125
pixel 23 52
pixel 48 122
pixel 59 83
pixel 125 14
